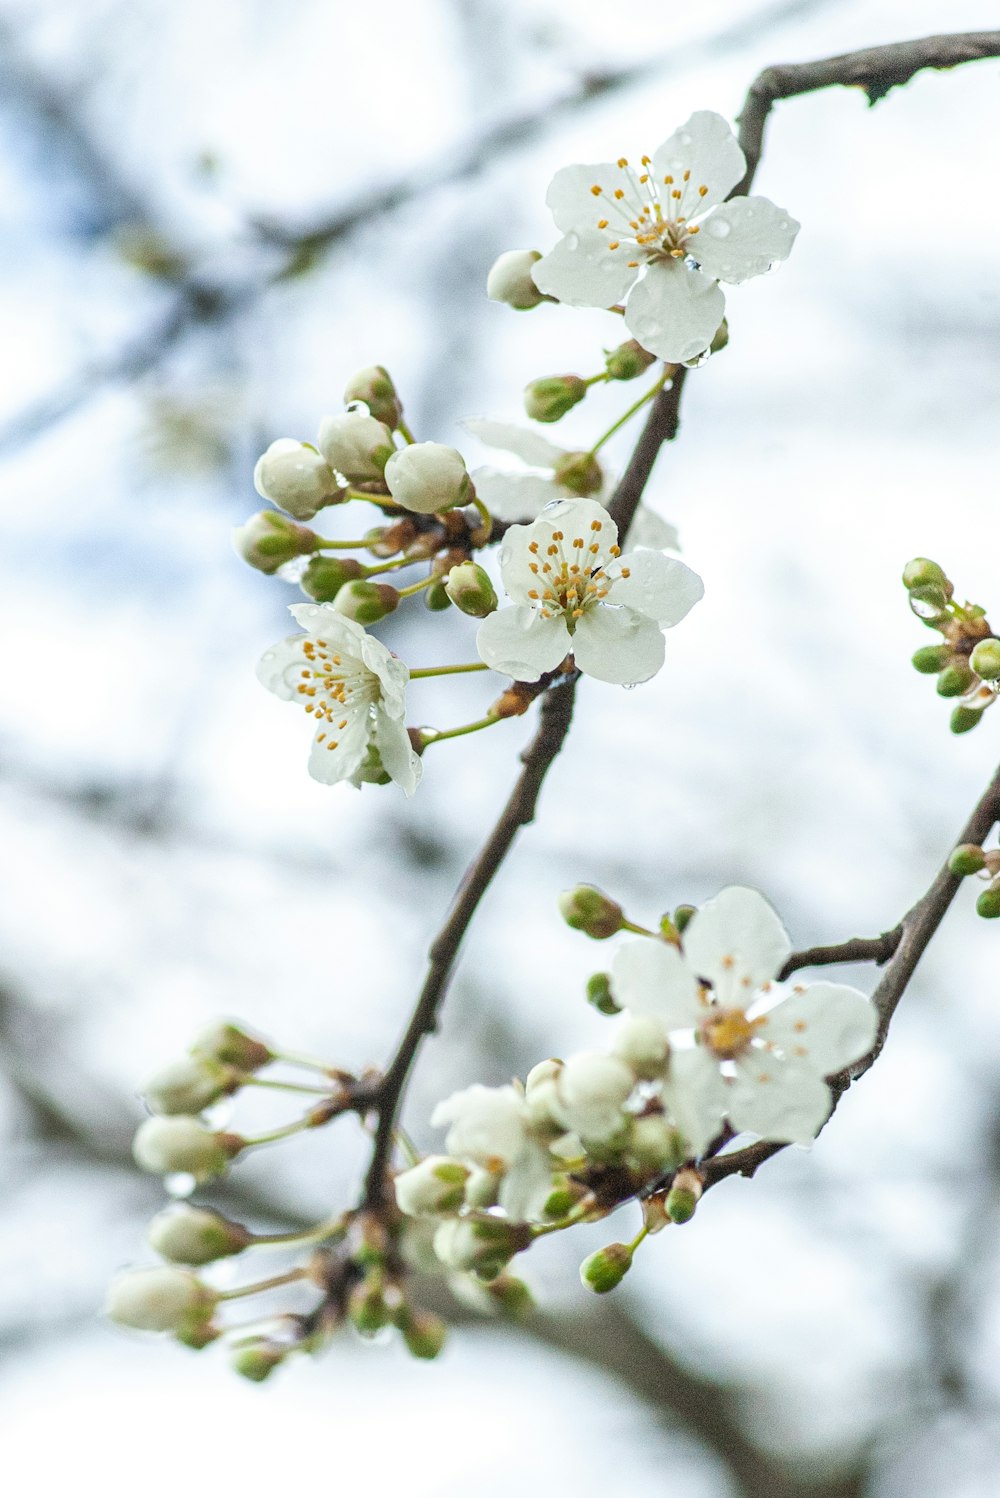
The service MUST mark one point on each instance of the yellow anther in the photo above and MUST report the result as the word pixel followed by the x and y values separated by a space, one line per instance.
pixel 578 541
pixel 332 744
pixel 597 190
pixel 702 191
pixel 616 551
pixel 532 592
pixel 633 264
pixel 677 254
pixel 669 181
pixel 595 547
pixel 644 177
pixel 687 176
pixel 626 572
pixel 602 223
pixel 578 613
pixel 557 535
pixel 676 193
pixel 695 229
pixel 596 525
pixel 613 244
pixel 622 161
pixel 619 194
pixel 321 736
pixel 646 160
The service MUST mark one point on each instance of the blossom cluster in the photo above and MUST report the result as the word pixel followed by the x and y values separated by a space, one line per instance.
pixel 967 662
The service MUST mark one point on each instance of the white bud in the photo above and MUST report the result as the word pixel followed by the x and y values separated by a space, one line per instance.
pixel 434 1187
pixel 189 1085
pixel 427 476
pixel 483 1248
pixel 233 1046
pixel 356 445
pixel 641 1042
pixel 195 1235
pixel 295 476
pixel 510 280
pixel 482 1189
pixel 655 1143
pixel 268 540
pixel 165 1145
pixel 541 1094
pixel 592 1088
pixel 158 1300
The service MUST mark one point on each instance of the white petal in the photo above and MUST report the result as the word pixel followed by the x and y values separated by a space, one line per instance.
pixel 737 942
pixel 513 496
pixel 339 753
pixel 650 530
pixel 582 272
pixel 696 1095
pixel 651 977
pixel 527 1186
pixel 658 586
pixel 674 311
pixel 280 668
pixel 619 646
pixel 743 238
pixel 827 1024
pixel 570 198
pixel 487 1123
pixel 777 1099
pixel 531 447
pixel 707 148
pixel 576 518
pixel 518 642
pixel 397 753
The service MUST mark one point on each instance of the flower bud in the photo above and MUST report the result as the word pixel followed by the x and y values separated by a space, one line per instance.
pixel 268 540
pixel 374 386
pixel 985 659
pixel 655 1143
pixel 164 1146
pixel 195 1235
pixel 483 1247
pixel 599 994
pixel 964 718
pixel 510 280
pixel 424 1333
pixel 365 602
pixel 257 1359
pixel 436 596
pixel 954 681
pixel 356 445
pixel 930 604
pixel 296 477
pixel 580 473
pixel 606 1268
pixel 324 576
pixel 232 1046
pixel 641 1042
pixel 591 911
pixel 189 1085
pixel 922 573
pixel 654 1212
pixel 550 398
pixel 482 1189
pixel 988 904
pixel 627 361
pixel 470 590
pixel 563 1198
pixel 159 1300
pixel 511 1295
pixel 930 659
pixel 966 859
pixel 541 1095
pixel 684 1195
pixel 592 1089
pixel 433 1188
pixel 427 477
pixel 366 1307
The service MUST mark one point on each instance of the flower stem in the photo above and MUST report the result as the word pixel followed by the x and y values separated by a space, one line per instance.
pixel 636 406
pixel 388 566
pixel 288 1086
pixel 639 930
pixel 457 733
pixel 332 1227
pixel 386 500
pixel 446 670
pixel 285 1132
pixel 261 1285
pixel 577 1214
pixel 323 544
pixel 299 1058
pixel 405 433
pixel 424 582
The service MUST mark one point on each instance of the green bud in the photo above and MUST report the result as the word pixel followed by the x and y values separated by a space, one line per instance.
pixel 930 659
pixel 590 910
pixel 954 681
pixel 436 596
pixel 683 916
pixel 563 1198
pixel 929 604
pixel 550 398
pixel 627 361
pixel 988 904
pixel 964 718
pixel 922 573
pixel 269 539
pixel 233 1046
pixel 480 1247
pixel 599 994
pixel 424 1333
pixel 189 1085
pixel 656 1144
pixel 198 1334
pixel 366 1307
pixel 374 386
pixel 195 1235
pixel 604 1270
pixel 470 590
pixel 257 1360
pixel 985 659
pixel 182 1145
pixel 580 473
pixel 365 602
pixel 511 1295
pixel 683 1196
pixel 324 576
pixel 966 859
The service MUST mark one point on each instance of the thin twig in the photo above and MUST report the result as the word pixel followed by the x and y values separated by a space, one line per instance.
pixel 876 949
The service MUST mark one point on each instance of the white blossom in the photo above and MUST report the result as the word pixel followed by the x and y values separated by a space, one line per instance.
pixel 744 1047
pixel 591 1091
pixel 663 236
pixel 491 1127
pixel 352 687
pixel 572 591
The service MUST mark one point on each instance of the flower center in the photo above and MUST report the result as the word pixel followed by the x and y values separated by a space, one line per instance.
pixel 571 577
pixel 653 216
pixel 728 1033
pixel 330 691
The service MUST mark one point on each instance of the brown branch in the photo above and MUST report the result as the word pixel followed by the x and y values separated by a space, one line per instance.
pixel 876 949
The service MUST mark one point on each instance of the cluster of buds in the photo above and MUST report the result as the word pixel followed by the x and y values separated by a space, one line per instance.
pixel 967 663
pixel 971 859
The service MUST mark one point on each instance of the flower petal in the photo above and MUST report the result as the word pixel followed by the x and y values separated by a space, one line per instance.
pixel 707 148
pixel 737 942
pixel 650 530
pixel 659 587
pixel 777 1099
pixel 396 752
pixel 531 447
pixel 743 238
pixel 570 197
pixel 583 272
pixel 696 1095
pixel 518 642
pixel 827 1024
pixel 337 752
pixel 527 1185
pixel 674 311
pixel 619 646
pixel 513 496
pixel 280 668
pixel 651 977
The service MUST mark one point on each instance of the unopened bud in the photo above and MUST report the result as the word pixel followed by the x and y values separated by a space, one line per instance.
pixel 656 1144
pixel 365 602
pixel 436 596
pixel 580 473
pixel 233 1046
pixel 374 386
pixel 641 1042
pixel 683 916
pixel 985 659
pixel 427 477
pixel 268 540
pixel 257 1360
pixel 512 703
pixel 324 576
pixel 591 911
pixel 195 1235
pixel 434 1187
pixel 654 1212
pixel 541 1095
pixel 922 573
pixel 966 859
pixel 165 1146
pixel 954 681
pixel 550 398
pixel 189 1085
pixel 930 659
pixel 356 445
pixel 684 1196
pixel 988 904
pixel 424 1333
pixel 159 1300
pixel 930 604
pixel 480 1247
pixel 296 477
pixel 470 590
pixel 482 1189
pixel 965 718
pixel 511 1295
pixel 604 1270
pixel 599 994
pixel 366 1307
pixel 628 361
pixel 510 280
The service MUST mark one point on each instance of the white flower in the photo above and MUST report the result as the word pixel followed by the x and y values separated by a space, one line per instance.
pixel 591 1089
pixel 352 687
pixel 427 477
pixel 635 233
pixel 762 1049
pixel 572 591
pixel 295 476
pixel 491 1128
pixel 511 494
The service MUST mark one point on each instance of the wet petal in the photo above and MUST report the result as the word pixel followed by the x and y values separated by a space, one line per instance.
pixel 737 942
pixel 675 311
pixel 777 1099
pixel 651 977
pixel 397 753
pixel 583 272
pixel 513 496
pixel 518 642
pixel 829 1025
pixel 337 752
pixel 658 586
pixel 706 147
pixel 618 645
pixel 743 238
pixel 531 447
pixel 696 1095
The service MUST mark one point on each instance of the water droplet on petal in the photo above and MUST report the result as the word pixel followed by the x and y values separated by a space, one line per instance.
pixel 609 263
pixel 572 241
pixel 719 228
pixel 698 360
pixel 694 353
pixel 180 1184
